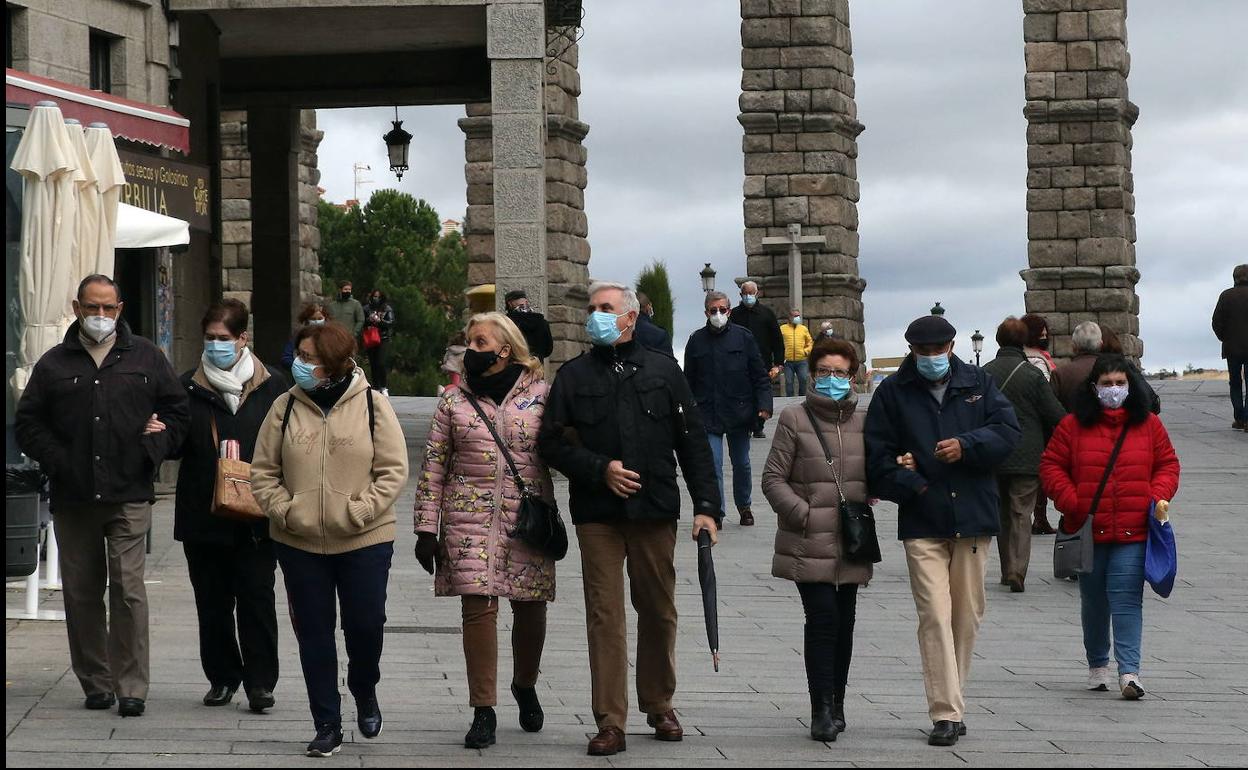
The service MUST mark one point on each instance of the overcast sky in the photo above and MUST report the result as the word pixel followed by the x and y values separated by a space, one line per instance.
pixel 942 162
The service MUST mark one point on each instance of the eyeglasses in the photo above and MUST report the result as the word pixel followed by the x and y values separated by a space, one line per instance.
pixel 718 311
pixel 840 373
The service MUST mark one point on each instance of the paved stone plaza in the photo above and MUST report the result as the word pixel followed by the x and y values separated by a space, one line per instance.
pixel 1026 702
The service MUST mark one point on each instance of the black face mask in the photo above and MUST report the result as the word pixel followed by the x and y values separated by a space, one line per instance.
pixel 1042 344
pixel 476 362
pixel 344 296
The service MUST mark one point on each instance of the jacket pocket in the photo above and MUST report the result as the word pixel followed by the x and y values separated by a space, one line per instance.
pixel 337 519
pixel 655 399
pixel 303 518
pixel 591 405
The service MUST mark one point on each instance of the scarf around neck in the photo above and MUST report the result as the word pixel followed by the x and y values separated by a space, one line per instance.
pixel 230 382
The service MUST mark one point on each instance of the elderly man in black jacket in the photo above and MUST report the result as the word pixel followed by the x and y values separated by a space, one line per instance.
pixel 101 412
pixel 935 433
pixel 762 323
pixel 729 381
pixel 617 421
pixel 649 333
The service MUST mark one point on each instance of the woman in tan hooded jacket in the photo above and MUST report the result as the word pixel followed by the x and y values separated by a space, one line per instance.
pixel 329 465
pixel 802 490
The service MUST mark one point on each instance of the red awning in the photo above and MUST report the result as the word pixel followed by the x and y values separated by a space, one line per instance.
pixel 128 119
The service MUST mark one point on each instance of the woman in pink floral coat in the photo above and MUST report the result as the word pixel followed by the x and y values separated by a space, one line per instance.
pixel 466 507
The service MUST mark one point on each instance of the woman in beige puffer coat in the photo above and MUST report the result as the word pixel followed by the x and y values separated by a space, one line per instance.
pixel 802 490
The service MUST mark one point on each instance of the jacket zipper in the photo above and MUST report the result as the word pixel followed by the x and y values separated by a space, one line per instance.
pixel 500 473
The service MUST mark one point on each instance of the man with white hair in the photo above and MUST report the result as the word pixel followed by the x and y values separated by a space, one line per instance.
pixel 617 421
pixel 1066 380
pixel 763 324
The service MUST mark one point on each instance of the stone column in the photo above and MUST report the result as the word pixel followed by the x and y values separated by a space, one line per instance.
pixel 516 46
pixel 800 121
pixel 566 226
pixel 1080 207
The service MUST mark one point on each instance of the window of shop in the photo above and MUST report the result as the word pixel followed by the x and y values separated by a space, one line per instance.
pixel 101 54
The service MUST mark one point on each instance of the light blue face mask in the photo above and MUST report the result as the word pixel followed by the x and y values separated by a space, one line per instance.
pixel 220 353
pixel 835 388
pixel 602 329
pixel 303 373
pixel 933 368
pixel 749 299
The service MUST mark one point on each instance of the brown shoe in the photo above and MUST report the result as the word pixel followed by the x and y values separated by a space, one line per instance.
pixel 608 742
pixel 747 517
pixel 666 726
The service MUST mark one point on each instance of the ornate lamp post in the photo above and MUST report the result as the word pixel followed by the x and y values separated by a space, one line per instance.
pixel 397 142
pixel 708 278
pixel 977 344
pixel 937 309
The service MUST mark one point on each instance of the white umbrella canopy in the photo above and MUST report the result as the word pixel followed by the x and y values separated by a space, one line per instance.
pixel 86 234
pixel 47 161
pixel 110 178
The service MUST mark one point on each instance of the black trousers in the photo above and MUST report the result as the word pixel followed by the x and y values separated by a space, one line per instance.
pixel 236 581
pixel 830 611
pixel 379 364
pixel 316 585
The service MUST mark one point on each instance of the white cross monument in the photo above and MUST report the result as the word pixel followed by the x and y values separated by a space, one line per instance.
pixel 794 244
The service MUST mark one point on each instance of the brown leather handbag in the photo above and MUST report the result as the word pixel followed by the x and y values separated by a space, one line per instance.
pixel 231 491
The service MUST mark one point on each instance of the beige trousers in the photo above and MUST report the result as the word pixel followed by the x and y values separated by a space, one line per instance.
pixel 947 581
pixel 105 546
pixel 528 637
pixel 648 548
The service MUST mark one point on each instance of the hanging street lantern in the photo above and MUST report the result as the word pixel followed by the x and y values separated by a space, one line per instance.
pixel 977 344
pixel 397 142
pixel 937 309
pixel 708 278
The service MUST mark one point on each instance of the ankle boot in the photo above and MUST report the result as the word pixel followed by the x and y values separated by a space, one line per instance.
pixel 481 734
pixel 821 726
pixel 838 711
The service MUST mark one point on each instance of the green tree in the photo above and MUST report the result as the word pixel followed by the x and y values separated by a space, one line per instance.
pixel 653 282
pixel 393 244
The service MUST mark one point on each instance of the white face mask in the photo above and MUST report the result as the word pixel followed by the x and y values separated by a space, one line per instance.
pixel 719 320
pixel 99 327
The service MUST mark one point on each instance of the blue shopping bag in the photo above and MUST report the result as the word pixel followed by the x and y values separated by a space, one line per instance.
pixel 1161 558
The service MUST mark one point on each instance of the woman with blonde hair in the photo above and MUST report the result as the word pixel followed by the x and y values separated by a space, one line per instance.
pixel 467 502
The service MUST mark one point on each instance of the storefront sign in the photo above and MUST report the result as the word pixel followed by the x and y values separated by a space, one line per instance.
pixel 168 187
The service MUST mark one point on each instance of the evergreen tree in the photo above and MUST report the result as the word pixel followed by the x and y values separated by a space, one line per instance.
pixel 653 282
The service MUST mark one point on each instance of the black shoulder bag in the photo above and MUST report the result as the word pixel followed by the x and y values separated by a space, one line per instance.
pixel 1073 553
pixel 538 524
pixel 858 539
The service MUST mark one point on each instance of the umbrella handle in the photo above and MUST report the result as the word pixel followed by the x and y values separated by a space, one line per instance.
pixel 704 539
pixel 715 659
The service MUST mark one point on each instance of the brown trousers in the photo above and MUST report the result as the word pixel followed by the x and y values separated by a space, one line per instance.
pixel 1018 502
pixel 106 546
pixel 648 550
pixel 947 581
pixel 528 637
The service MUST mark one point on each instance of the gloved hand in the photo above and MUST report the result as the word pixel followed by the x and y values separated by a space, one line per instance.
pixel 427 551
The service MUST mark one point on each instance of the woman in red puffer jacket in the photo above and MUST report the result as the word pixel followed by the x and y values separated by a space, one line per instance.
pixel 1113 400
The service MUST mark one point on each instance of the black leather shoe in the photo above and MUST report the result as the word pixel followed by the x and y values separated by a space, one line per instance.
pixel 131 707
pixel 944 733
pixel 838 712
pixel 260 699
pixel 961 728
pixel 484 724
pixel 98 701
pixel 821 726
pixel 327 741
pixel 531 715
pixel 368 717
pixel 219 695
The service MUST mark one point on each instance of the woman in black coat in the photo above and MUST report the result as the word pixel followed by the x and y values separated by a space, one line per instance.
pixel 231 564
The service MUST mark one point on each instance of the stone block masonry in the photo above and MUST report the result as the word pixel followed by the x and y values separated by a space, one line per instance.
pixel 801 126
pixel 1080 202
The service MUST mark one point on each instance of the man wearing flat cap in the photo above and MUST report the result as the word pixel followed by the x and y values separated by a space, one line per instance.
pixel 934 433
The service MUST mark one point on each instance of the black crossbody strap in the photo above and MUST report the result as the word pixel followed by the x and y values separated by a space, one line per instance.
pixel 511 464
pixel 1113 458
pixel 827 453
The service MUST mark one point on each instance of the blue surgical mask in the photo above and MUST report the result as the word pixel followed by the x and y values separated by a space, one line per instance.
pixel 303 374
pixel 1112 396
pixel 934 368
pixel 601 328
pixel 797 320
pixel 835 388
pixel 749 299
pixel 220 353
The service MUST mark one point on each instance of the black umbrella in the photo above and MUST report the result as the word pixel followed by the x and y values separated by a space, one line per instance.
pixel 710 594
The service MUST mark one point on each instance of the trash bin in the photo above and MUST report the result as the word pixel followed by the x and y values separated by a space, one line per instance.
pixel 21 514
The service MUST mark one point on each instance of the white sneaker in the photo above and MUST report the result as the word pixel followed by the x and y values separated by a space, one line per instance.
pixel 1130 686
pixel 1099 679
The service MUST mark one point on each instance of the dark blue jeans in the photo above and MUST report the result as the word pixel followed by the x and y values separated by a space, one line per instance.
pixel 358 578
pixel 1237 367
pixel 739 451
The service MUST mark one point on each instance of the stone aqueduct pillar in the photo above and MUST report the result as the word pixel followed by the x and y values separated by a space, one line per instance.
pixel 800 120
pixel 1080 207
